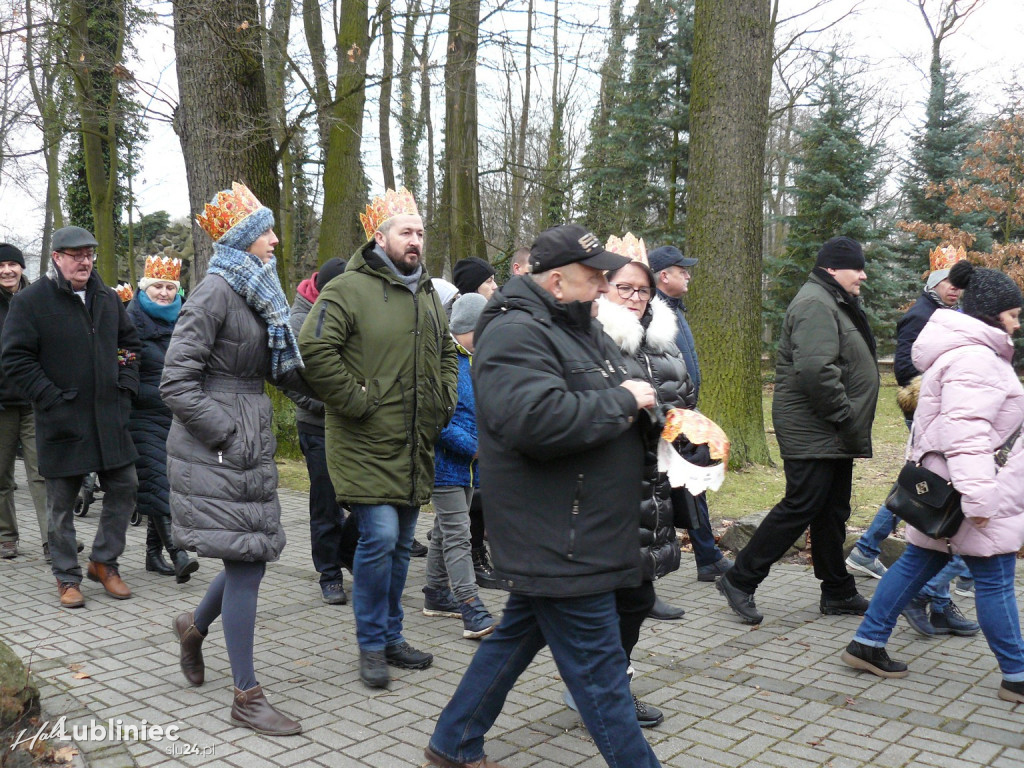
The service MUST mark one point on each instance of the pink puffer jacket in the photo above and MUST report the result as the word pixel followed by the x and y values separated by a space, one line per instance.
pixel 971 402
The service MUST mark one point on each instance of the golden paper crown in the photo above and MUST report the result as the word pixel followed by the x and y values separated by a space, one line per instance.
pixel 392 203
pixel 945 258
pixel 228 210
pixel 629 246
pixel 124 291
pixel 163 268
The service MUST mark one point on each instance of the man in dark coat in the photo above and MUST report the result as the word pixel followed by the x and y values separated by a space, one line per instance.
pixel 826 389
pixel 561 457
pixel 71 348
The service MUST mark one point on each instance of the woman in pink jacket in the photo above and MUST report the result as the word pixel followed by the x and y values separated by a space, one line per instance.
pixel 971 404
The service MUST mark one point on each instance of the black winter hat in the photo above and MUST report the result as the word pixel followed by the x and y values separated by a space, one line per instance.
pixel 841 253
pixel 986 292
pixel 10 252
pixel 330 270
pixel 470 273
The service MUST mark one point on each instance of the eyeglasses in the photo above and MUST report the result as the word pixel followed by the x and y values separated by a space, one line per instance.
pixel 81 258
pixel 627 291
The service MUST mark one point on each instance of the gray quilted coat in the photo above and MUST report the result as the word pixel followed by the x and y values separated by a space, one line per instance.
pixel 220 448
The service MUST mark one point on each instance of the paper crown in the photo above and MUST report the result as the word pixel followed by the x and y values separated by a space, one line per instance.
pixel 163 268
pixel 228 210
pixel 629 246
pixel 946 257
pixel 383 207
pixel 124 291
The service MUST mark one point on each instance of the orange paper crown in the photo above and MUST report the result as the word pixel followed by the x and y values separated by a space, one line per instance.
pixel 629 246
pixel 163 268
pixel 392 203
pixel 228 210
pixel 946 257
pixel 124 291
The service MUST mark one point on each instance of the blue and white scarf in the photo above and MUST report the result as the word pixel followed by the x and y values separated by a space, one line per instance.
pixel 260 286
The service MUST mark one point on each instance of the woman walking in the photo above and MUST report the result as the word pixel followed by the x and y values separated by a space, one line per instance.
pixel 154 310
pixel 970 409
pixel 231 335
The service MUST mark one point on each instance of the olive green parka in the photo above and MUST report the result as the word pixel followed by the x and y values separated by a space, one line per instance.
pixel 381 358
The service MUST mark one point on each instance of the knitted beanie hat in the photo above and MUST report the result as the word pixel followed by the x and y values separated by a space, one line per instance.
pixel 466 311
pixel 10 252
pixel 470 273
pixel 328 271
pixel 841 253
pixel 986 292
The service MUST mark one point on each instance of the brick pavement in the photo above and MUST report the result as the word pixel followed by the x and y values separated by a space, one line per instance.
pixel 732 695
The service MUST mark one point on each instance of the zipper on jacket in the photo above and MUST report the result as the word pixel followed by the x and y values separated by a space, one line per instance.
pixel 575 514
pixel 415 390
pixel 320 320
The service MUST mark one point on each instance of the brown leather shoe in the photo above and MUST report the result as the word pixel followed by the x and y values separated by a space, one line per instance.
pixel 252 710
pixel 443 762
pixel 70 594
pixel 108 576
pixel 191 654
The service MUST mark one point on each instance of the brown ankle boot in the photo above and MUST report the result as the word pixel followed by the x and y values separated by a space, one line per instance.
pixel 110 578
pixel 252 710
pixel 191 638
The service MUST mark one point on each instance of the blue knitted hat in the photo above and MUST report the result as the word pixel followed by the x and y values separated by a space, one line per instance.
pixel 246 232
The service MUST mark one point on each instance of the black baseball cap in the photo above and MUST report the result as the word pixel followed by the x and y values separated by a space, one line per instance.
pixel 571 244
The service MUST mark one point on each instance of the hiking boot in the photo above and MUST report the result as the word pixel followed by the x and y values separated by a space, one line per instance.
pixel 741 603
pixel 70 594
pixel 476 619
pixel 190 653
pixel 1011 691
pixel 110 578
pixel 711 572
pixel 404 656
pixel 441 602
pixel 951 621
pixel 252 710
pixel 417 550
pixel 433 758
pixel 482 568
pixel 662 611
pixel 916 614
pixel 964 587
pixel 869 566
pixel 8 549
pixel 873 660
pixel 854 605
pixel 646 715
pixel 334 593
pixel 373 669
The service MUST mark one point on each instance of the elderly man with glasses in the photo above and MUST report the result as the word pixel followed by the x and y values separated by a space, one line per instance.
pixel 72 350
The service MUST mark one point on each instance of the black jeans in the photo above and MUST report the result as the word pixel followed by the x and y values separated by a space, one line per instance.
pixel 633 604
pixel 817 496
pixel 333 537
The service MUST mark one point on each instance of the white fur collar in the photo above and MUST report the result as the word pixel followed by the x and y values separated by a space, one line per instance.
pixel 625 330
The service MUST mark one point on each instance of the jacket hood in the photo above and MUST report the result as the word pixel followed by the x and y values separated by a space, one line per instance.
pixel 366 261
pixel 521 293
pixel 628 331
pixel 301 304
pixel 307 289
pixel 946 331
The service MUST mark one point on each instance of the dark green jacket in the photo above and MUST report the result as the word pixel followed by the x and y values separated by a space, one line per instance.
pixel 826 379
pixel 383 362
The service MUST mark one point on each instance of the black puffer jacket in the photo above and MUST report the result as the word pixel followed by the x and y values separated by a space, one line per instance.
pixel 561 454
pixel 907 330
pixel 10 395
pixel 151 419
pixel 649 344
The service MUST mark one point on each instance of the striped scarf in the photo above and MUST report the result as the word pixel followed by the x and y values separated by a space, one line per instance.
pixel 260 286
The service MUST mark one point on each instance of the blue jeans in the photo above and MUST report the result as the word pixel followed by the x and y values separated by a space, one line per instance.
pixel 378 573
pixel 705 550
pixel 994 596
pixel 937 590
pixel 583 633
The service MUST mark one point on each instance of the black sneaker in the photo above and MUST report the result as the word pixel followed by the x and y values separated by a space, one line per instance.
pixel 1010 691
pixel 373 669
pixel 404 656
pixel 441 602
pixel 417 549
pixel 873 660
pixel 333 593
pixel 916 614
pixel 646 715
pixel 741 603
pixel 952 622
pixel 482 569
pixel 855 605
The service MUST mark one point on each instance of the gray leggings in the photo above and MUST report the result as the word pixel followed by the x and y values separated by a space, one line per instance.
pixel 232 595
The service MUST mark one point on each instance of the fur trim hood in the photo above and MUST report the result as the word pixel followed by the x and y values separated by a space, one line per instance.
pixel 628 332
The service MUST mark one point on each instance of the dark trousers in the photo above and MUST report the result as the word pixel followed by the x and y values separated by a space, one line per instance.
pixel 705 548
pixel 817 496
pixel 476 520
pixel 633 604
pixel 333 537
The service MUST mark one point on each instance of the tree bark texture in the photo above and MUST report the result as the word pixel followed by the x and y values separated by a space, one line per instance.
pixel 387 162
pixel 729 124
pixel 222 119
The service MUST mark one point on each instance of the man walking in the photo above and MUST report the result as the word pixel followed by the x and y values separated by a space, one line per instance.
pixel 71 348
pixel 378 352
pixel 826 389
pixel 561 453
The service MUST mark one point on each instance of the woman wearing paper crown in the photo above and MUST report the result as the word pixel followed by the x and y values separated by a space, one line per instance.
pixel 154 310
pixel 231 336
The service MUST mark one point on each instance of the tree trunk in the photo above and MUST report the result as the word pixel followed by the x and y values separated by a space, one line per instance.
pixel 411 129
pixel 729 124
pixel 313 27
pixel 387 163
pixel 519 156
pixel 276 50
pixel 222 118
pixel 427 121
pixel 344 182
